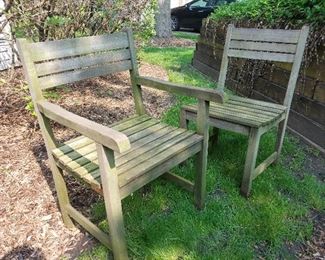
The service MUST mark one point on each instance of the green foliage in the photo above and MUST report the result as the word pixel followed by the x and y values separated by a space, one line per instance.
pixel 295 12
pixel 146 27
pixel 48 20
pixel 162 222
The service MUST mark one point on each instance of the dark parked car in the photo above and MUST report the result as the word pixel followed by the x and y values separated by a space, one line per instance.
pixel 191 14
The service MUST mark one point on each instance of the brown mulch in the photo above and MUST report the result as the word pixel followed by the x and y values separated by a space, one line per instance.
pixel 172 42
pixel 30 221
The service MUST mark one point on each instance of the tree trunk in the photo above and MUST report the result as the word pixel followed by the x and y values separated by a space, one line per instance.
pixel 163 21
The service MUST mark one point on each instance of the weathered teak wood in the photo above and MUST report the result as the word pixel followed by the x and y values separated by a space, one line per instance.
pixel 202 157
pixel 113 205
pixel 115 161
pixel 99 133
pixel 200 93
pixel 253 117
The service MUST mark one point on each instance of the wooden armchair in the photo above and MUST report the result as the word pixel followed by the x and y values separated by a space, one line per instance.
pixel 248 116
pixel 115 161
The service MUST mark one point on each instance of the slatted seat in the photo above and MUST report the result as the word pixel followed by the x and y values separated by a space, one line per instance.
pixel 152 143
pixel 248 116
pixel 119 159
pixel 244 111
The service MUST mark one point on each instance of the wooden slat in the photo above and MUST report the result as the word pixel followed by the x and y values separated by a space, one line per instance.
pixel 263 46
pixel 83 160
pixel 154 161
pixel 219 123
pixel 78 46
pixel 258 55
pixel 160 169
pixel 136 156
pixel 91 157
pixel 251 110
pixel 246 111
pixel 69 77
pixel 87 168
pixel 141 126
pixel 152 136
pixel 256 106
pixel 266 35
pixel 81 141
pixel 123 120
pixel 56 66
pixel 143 153
pixel 145 132
pixel 258 102
pixel 75 154
pixel 152 149
pixel 67 148
pixel 235 117
pixel 230 118
pixel 83 151
pixel 147 159
pixel 88 158
pixel 131 123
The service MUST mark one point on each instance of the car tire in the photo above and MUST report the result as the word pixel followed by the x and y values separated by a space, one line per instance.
pixel 174 23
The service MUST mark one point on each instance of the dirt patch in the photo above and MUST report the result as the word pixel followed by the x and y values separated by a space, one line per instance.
pixel 31 224
pixel 172 42
pixel 315 247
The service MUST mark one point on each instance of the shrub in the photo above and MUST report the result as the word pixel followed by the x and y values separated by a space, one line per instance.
pixel 293 13
pixel 50 19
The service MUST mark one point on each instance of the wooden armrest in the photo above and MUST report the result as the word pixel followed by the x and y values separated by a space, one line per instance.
pixel 104 135
pixel 200 93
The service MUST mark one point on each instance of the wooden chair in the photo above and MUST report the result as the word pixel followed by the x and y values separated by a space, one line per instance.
pixel 248 116
pixel 115 161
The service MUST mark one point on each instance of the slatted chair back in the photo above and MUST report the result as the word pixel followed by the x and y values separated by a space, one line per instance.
pixel 55 63
pixel 265 44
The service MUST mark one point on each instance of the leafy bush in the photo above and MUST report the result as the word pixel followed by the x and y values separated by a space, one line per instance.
pixel 290 12
pixel 48 19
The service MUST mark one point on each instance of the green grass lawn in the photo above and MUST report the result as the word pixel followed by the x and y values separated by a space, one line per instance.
pixel 162 222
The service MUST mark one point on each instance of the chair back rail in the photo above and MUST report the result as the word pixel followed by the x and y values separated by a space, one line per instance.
pixel 66 61
pixel 265 44
pixel 54 63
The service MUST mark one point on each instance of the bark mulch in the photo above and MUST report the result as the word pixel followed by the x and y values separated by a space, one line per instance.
pixel 172 42
pixel 30 221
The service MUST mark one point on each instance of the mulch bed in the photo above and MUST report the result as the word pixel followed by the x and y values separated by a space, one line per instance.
pixel 30 221
pixel 172 42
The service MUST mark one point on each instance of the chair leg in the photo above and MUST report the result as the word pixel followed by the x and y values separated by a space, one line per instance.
pixel 112 201
pixel 183 123
pixel 280 138
pixel 202 156
pixel 62 192
pixel 253 144
pixel 200 179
